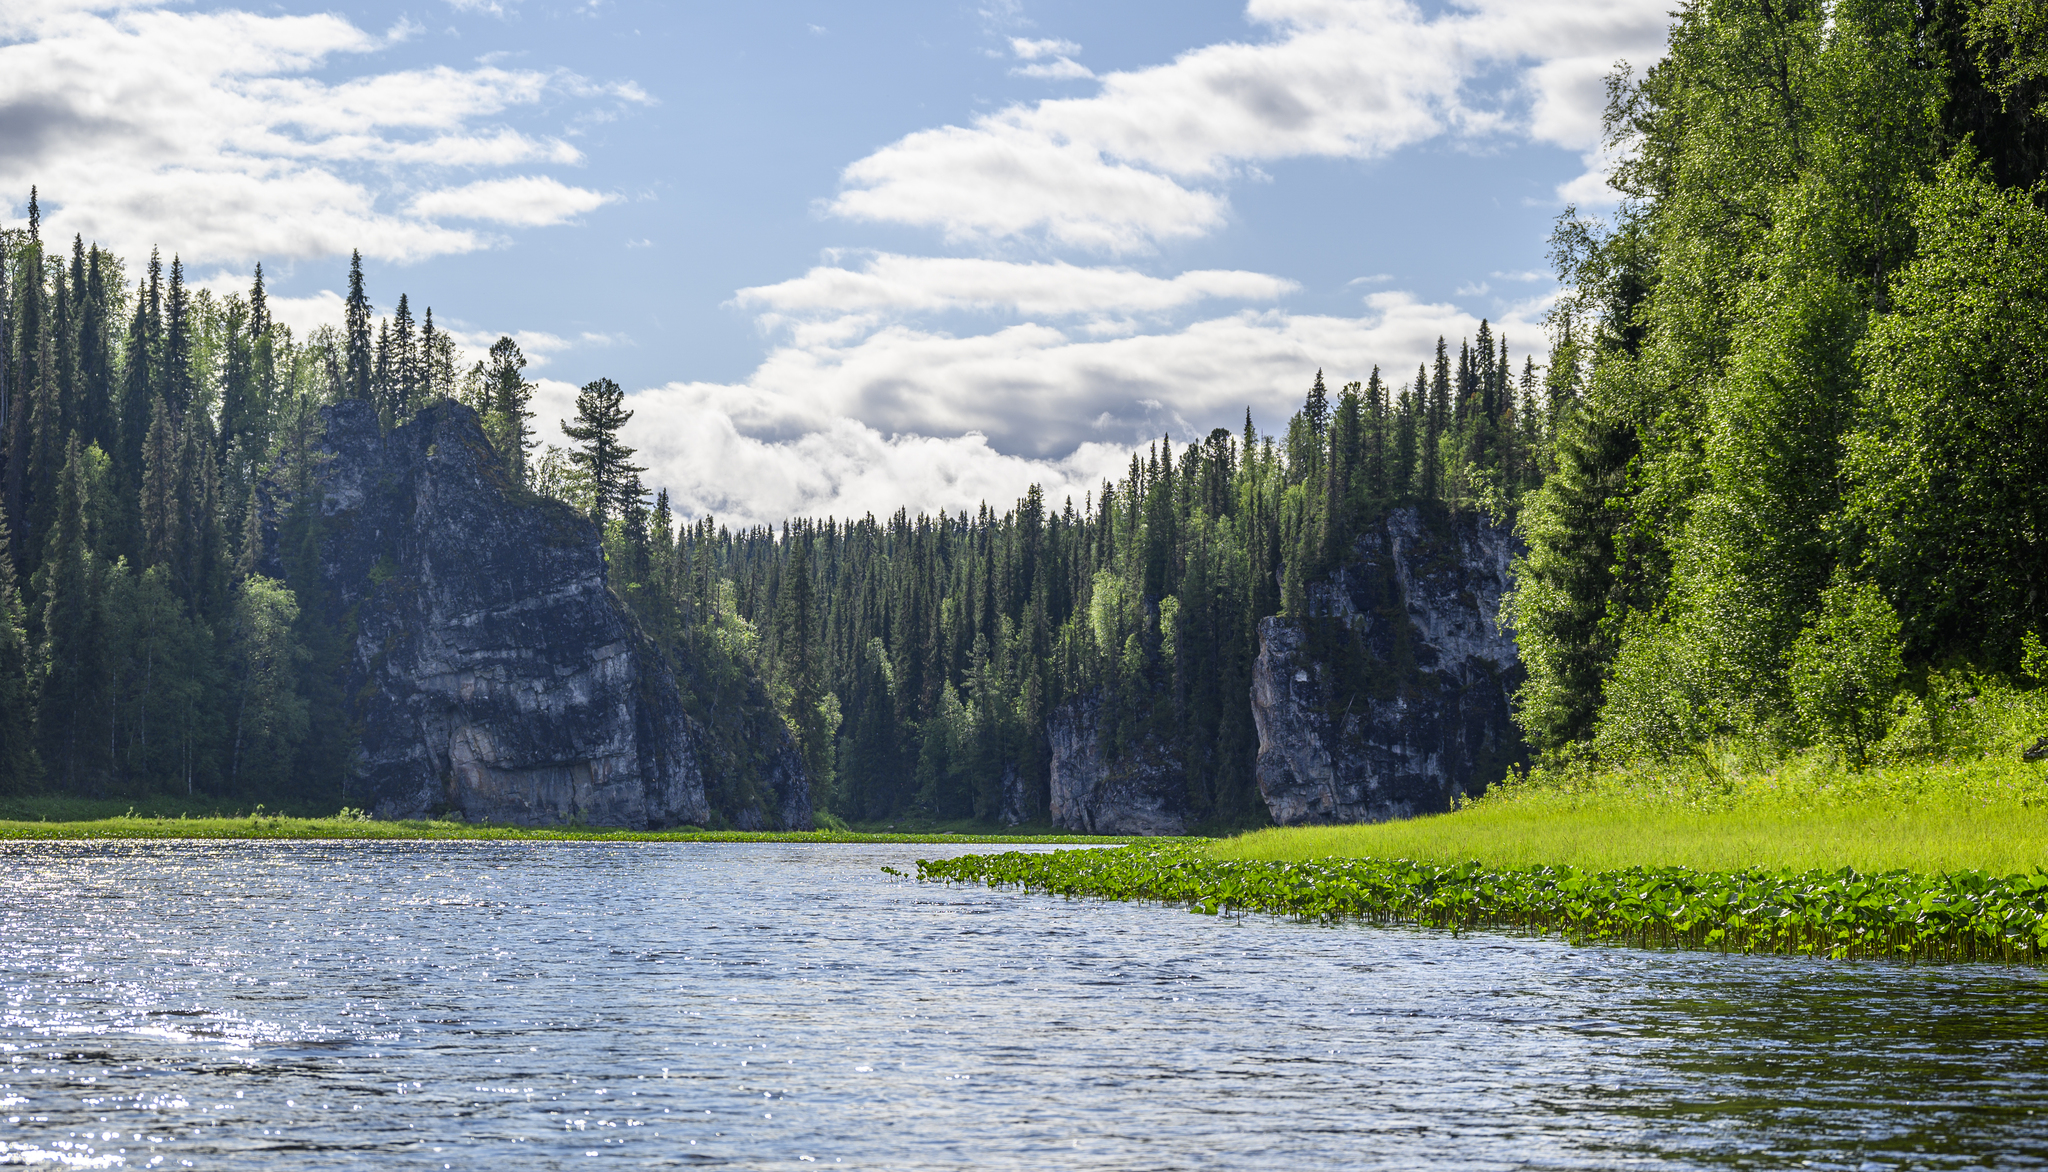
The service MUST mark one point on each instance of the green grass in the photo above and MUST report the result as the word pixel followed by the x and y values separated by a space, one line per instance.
pixel 1938 850
pixel 1726 810
pixel 57 817
pixel 2006 840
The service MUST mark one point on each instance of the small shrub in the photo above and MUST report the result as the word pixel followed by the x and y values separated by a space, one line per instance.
pixel 1845 669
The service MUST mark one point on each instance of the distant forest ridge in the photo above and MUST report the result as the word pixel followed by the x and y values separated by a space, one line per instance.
pixel 1779 478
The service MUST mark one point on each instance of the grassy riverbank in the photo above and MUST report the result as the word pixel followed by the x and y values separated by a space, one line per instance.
pixel 334 828
pixel 267 826
pixel 1722 811
pixel 1930 857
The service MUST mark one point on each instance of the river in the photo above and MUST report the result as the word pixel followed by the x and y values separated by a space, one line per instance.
pixel 555 1005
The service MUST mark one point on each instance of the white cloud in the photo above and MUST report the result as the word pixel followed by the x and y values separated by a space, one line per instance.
pixel 1058 69
pixel 1030 50
pixel 898 416
pixel 1002 179
pixel 1062 67
pixel 527 200
pixel 219 134
pixel 891 282
pixel 1138 163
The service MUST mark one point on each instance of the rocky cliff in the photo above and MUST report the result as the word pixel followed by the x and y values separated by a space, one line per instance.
pixel 1142 790
pixel 1391 698
pixel 492 673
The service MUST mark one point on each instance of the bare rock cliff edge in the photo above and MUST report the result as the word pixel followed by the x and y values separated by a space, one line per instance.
pixel 1094 790
pixel 491 672
pixel 1390 698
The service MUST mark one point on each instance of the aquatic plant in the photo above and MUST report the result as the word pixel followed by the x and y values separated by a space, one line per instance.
pixel 1963 915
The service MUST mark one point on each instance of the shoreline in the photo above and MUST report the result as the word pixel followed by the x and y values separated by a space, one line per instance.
pixel 337 829
pixel 1967 916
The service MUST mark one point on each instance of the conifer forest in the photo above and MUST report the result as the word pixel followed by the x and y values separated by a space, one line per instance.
pixel 1775 465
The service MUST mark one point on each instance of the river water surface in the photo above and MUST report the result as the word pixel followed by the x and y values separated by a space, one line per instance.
pixel 558 1005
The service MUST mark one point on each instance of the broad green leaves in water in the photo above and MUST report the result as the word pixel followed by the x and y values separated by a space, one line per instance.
pixel 1962 916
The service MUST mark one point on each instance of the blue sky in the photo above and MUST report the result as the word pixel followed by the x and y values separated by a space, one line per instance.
pixel 849 257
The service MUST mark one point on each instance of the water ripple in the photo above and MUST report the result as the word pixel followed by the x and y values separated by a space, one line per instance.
pixel 536 1005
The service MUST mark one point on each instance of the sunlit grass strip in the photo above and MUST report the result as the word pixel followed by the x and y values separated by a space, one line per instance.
pixel 1616 833
pixel 1955 916
pixel 264 827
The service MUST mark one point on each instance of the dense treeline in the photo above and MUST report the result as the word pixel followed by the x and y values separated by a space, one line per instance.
pixel 1803 502
pixel 155 434
pixel 919 658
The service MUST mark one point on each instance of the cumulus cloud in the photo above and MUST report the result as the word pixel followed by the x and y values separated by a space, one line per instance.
pixel 529 200
pixel 906 417
pixel 861 407
pixel 1058 69
pixel 1139 162
pixel 890 282
pixel 219 131
pixel 1030 50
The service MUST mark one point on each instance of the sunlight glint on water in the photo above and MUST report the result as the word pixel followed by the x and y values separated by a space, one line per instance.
pixel 421 1005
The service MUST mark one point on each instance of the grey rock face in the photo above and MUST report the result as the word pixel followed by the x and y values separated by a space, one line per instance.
pixel 1391 699
pixel 492 672
pixel 1144 792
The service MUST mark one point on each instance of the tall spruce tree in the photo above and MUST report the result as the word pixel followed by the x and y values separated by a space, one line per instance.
pixel 614 479
pixel 506 404
pixel 358 370
pixel 17 701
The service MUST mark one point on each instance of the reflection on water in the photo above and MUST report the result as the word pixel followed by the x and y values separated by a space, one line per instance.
pixel 430 1005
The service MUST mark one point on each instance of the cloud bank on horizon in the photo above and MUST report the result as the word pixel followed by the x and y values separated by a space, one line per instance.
pixel 1038 348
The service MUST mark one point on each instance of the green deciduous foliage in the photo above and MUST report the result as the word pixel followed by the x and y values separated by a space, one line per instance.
pixel 1807 352
pixel 1946 460
pixel 1845 668
pixel 264 659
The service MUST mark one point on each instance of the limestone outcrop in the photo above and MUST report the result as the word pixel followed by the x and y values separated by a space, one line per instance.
pixel 1142 790
pixel 1391 698
pixel 492 674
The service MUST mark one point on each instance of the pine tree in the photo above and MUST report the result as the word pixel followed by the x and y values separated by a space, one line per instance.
pixel 383 383
pixel 64 340
pixel 356 329
pixel 74 686
pixel 161 508
pixel 46 450
pixel 1376 436
pixel 614 480
pixel 506 406
pixel 1436 418
pixel 437 362
pixel 17 701
pixel 406 394
pixel 31 354
pixel 1317 409
pixel 177 372
pixel 95 361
